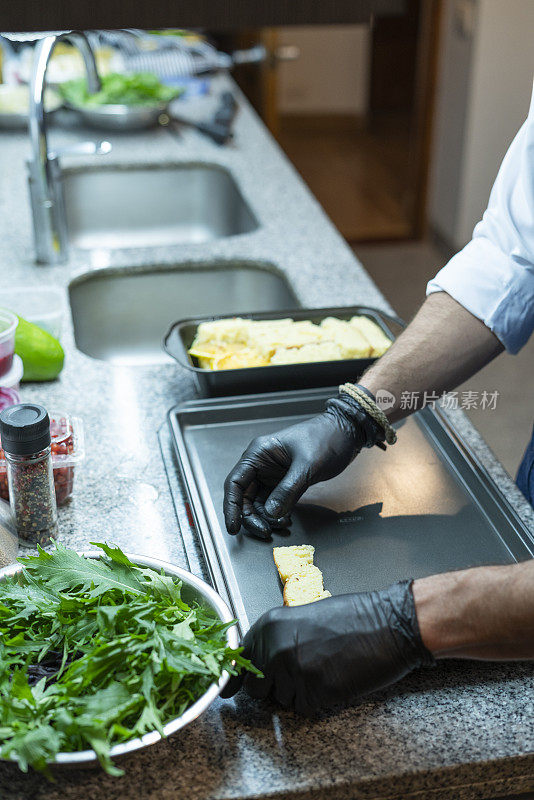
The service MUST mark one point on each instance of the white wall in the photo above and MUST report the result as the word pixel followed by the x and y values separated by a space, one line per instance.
pixel 449 125
pixel 503 67
pixel 331 76
pixel 484 92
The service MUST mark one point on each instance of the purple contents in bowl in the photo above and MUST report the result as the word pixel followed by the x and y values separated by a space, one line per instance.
pixel 8 397
pixel 8 324
pixel 6 362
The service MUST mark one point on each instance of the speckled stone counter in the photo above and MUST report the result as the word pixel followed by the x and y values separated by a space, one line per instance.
pixel 459 731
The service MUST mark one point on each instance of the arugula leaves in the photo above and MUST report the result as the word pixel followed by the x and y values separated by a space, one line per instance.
pixel 136 89
pixel 98 651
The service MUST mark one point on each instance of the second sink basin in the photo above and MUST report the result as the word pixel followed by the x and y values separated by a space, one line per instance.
pixel 118 207
pixel 121 316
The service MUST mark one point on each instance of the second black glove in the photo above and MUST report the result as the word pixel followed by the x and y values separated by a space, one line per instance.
pixel 274 471
pixel 334 651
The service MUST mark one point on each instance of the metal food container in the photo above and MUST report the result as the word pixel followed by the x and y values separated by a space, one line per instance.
pixel 193 590
pixel 120 117
pixel 249 380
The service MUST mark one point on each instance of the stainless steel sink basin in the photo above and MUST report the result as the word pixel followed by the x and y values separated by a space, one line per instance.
pixel 117 207
pixel 121 316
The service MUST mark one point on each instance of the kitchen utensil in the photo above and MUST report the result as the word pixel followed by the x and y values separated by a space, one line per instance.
pixel 193 590
pixel 173 56
pixel 227 109
pixel 180 336
pixel 219 129
pixel 218 133
pixel 131 118
pixel 425 506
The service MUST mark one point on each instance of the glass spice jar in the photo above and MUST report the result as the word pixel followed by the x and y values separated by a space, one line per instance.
pixel 26 441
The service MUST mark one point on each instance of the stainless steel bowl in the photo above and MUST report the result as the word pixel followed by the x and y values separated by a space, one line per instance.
pixel 120 117
pixel 193 590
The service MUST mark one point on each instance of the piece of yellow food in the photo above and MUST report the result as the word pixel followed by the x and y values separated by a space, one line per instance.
pixel 349 339
pixel 206 353
pixel 304 587
pixel 303 581
pixel 235 343
pixel 209 353
pixel 291 559
pixel 308 353
pixel 373 333
pixel 222 331
pixel 245 358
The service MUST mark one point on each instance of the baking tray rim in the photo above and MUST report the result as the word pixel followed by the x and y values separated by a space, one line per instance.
pixel 217 560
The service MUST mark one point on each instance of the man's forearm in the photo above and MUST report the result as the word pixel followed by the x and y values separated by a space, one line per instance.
pixel 481 613
pixel 487 612
pixel 442 347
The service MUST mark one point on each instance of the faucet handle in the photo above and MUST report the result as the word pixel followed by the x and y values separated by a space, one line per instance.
pixel 82 149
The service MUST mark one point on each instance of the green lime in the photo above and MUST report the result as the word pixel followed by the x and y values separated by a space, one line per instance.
pixel 41 354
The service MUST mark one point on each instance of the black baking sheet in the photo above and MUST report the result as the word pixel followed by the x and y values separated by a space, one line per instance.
pixel 422 507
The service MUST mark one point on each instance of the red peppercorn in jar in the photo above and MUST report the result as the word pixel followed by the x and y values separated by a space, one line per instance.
pixel 67 447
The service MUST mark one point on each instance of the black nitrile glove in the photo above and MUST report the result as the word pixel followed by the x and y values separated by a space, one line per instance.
pixel 274 471
pixel 334 651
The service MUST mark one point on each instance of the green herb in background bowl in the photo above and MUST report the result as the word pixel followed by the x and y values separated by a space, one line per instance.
pixel 137 89
pixel 97 652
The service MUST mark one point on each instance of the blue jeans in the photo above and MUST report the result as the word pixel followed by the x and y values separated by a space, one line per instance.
pixel 525 474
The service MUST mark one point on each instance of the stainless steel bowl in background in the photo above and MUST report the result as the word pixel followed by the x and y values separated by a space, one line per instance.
pixel 193 590
pixel 118 117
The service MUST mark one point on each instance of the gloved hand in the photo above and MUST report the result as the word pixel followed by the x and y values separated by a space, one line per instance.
pixel 334 651
pixel 274 471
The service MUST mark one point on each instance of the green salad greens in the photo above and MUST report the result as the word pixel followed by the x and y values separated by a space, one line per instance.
pixel 94 652
pixel 137 89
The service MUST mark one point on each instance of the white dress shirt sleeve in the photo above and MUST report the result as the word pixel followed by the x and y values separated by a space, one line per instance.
pixel 493 276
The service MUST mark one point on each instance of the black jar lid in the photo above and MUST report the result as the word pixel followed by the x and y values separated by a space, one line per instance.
pixel 24 429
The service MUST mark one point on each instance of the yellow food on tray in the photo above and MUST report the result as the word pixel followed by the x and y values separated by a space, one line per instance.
pixel 235 343
pixel 244 358
pixel 324 351
pixel 351 341
pixel 291 559
pixel 222 331
pixel 305 587
pixel 208 353
pixel 303 581
pixel 375 336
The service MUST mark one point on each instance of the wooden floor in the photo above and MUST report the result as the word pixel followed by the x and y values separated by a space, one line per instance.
pixel 360 177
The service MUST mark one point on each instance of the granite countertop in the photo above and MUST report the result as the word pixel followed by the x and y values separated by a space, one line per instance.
pixel 461 730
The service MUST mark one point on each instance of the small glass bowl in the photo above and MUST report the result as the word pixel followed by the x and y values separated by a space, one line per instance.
pixel 8 326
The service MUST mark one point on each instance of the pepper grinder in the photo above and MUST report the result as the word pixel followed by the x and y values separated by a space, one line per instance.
pixel 26 441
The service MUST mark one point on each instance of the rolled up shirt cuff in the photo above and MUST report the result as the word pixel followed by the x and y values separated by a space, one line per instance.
pixel 495 287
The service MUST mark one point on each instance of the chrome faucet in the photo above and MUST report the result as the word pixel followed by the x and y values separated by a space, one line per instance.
pixel 44 173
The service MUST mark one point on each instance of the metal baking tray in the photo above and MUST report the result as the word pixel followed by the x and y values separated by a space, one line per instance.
pixel 180 337
pixel 424 506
